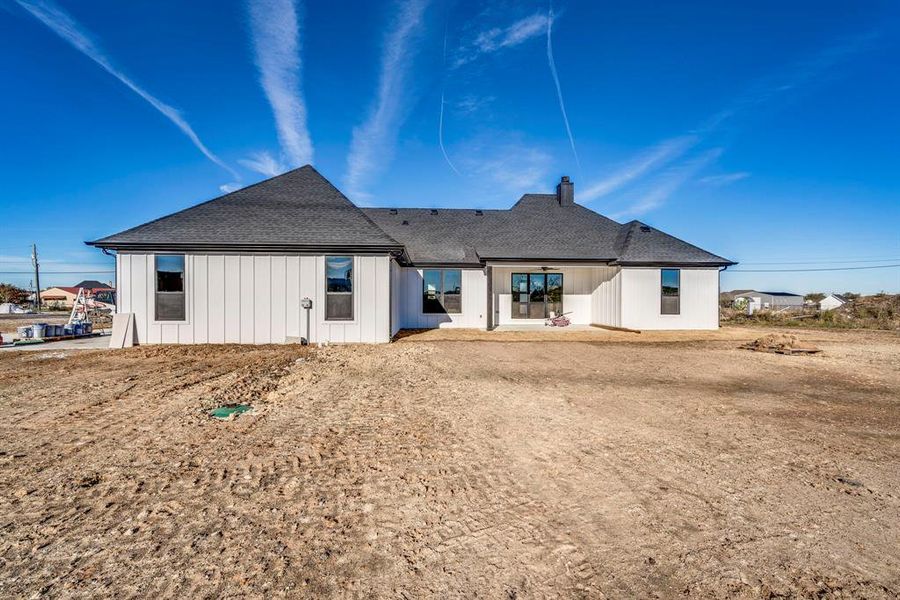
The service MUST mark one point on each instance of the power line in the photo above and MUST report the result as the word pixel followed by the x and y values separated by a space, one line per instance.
pixel 819 262
pixel 52 272
pixel 808 270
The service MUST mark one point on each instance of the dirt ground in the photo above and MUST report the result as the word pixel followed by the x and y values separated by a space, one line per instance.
pixel 516 466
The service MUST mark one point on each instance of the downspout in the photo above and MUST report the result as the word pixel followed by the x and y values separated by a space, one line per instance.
pixel 719 297
pixel 489 321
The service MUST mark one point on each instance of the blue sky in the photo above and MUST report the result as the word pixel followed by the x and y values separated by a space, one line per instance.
pixel 763 131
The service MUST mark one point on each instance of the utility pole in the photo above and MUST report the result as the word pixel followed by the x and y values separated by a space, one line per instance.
pixel 37 278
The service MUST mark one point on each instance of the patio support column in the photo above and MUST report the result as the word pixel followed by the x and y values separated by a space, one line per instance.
pixel 489 272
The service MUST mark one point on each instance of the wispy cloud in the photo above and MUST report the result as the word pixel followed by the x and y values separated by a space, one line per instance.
pixel 275 30
pixel 508 167
pixel 668 183
pixel 650 160
pixel 498 38
pixel 562 104
pixel 372 146
pixel 71 31
pixel 763 91
pixel 724 179
pixel 265 163
pixel 227 188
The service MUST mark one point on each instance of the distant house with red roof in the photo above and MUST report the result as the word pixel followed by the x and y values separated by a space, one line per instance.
pixel 64 296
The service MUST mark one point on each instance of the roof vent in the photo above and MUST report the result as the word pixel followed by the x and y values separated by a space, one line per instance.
pixel 434 211
pixel 393 211
pixel 479 213
pixel 405 222
pixel 645 229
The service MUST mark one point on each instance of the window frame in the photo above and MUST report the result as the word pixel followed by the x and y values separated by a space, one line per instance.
pixel 440 299
pixel 528 276
pixel 182 293
pixel 663 296
pixel 351 293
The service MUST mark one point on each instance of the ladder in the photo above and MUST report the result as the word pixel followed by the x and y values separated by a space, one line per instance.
pixel 79 308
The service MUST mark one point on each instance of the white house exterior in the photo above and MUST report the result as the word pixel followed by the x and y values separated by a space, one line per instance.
pixel 292 259
pixel 755 300
pixel 831 302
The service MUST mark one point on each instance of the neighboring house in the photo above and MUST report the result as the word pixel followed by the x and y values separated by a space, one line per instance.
pixel 61 296
pixel 239 268
pixel 832 301
pixel 755 300
pixel 65 295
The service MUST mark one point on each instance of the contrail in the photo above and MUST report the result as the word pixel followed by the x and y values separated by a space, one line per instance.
pixel 275 25
pixel 374 141
pixel 441 118
pixel 441 137
pixel 562 105
pixel 69 30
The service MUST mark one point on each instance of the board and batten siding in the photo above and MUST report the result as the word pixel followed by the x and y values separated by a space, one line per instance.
pixel 641 303
pixel 606 298
pixel 409 301
pixel 255 299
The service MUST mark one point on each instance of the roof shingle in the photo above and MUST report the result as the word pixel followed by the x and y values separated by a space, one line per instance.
pixel 301 209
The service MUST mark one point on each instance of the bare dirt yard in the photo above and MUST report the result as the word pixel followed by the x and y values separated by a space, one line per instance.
pixel 452 465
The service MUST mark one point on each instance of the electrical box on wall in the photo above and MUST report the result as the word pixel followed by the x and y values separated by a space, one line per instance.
pixel 306 303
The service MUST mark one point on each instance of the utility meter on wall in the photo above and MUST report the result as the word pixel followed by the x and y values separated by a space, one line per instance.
pixel 306 303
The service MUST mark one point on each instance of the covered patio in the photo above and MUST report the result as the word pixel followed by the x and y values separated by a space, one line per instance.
pixel 523 295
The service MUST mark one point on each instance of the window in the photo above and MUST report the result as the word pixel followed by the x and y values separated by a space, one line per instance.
pixel 441 291
pixel 170 287
pixel 670 292
pixel 338 288
pixel 536 295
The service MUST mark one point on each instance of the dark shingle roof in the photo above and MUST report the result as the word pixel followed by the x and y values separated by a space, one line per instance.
pixel 90 284
pixel 536 227
pixel 302 210
pixel 642 244
pixel 297 209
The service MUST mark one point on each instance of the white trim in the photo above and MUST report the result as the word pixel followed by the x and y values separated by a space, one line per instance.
pixel 187 301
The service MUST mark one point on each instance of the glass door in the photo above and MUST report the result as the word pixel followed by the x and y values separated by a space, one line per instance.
pixel 519 296
pixel 535 295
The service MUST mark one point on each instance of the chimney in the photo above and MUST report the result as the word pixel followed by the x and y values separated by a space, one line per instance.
pixel 565 192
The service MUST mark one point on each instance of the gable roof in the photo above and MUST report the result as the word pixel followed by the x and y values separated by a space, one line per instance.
pixel 299 209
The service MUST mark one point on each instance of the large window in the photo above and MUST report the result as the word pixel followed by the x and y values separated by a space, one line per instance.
pixel 170 287
pixel 536 295
pixel 339 288
pixel 670 302
pixel 441 291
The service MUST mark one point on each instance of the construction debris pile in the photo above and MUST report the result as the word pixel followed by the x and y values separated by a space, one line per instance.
pixel 780 343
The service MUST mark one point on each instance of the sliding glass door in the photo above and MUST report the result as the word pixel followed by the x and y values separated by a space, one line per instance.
pixel 536 295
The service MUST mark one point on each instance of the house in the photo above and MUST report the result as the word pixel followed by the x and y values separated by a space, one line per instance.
pixel 832 301
pixel 755 300
pixel 291 257
pixel 60 296
pixel 65 295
